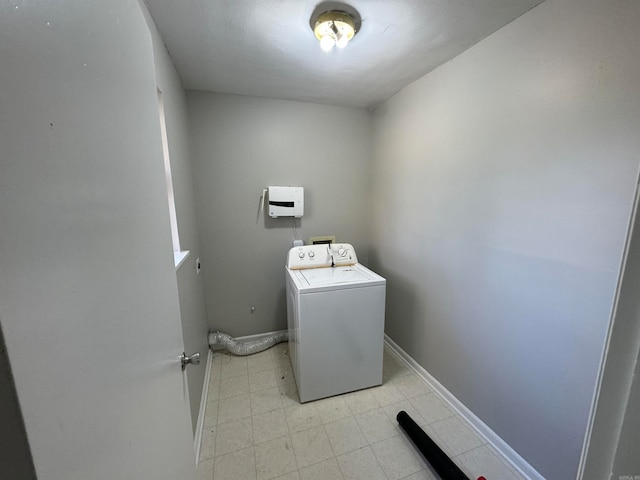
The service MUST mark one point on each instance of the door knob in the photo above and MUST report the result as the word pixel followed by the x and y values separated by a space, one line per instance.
pixel 193 359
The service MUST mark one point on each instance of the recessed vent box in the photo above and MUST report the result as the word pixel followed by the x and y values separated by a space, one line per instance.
pixel 286 202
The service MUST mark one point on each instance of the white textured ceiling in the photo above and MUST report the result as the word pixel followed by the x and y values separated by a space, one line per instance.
pixel 266 48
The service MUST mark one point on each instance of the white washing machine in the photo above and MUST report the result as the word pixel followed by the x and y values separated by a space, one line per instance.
pixel 335 315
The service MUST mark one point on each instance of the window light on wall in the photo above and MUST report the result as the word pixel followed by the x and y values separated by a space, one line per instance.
pixel 178 255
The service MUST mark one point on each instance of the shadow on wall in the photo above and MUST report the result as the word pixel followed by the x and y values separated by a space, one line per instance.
pixel 281 222
pixel 15 453
pixel 281 307
pixel 401 298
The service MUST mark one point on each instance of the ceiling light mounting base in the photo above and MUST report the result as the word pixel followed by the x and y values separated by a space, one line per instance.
pixel 334 29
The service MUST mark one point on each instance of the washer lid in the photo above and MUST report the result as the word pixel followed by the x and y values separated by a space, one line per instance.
pixel 345 276
pixel 333 278
pixel 318 277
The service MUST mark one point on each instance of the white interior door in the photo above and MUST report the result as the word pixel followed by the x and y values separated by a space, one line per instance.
pixel 88 294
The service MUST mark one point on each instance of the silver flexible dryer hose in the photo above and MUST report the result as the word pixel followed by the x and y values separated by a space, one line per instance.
pixel 246 348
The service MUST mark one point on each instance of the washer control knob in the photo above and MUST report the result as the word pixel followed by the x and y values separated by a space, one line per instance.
pixel 311 254
pixel 301 254
pixel 342 252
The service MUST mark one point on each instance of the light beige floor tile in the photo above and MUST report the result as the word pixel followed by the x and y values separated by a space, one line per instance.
pixel 393 368
pixel 215 377
pixel 213 391
pixel 234 386
pixel 233 436
pixel 345 435
pixel 234 367
pixel 260 362
pixel 386 394
pixel 397 458
pixel 211 414
pixel 232 439
pixel 389 374
pixel 205 470
pixel 270 425
pixel 411 385
pixel 226 358
pixel 275 458
pixel 376 426
pixel 423 475
pixel 280 347
pixel 431 408
pixel 234 370
pixel 457 436
pixel 234 408
pixel 332 409
pixel 406 406
pixel 265 400
pixel 361 464
pixel 327 470
pixel 280 355
pixel 237 465
pixel 311 446
pixel 216 367
pixel 289 476
pixel 482 461
pixel 284 375
pixel 289 394
pixel 387 354
pixel 208 443
pixel 302 417
pixel 361 401
pixel 262 380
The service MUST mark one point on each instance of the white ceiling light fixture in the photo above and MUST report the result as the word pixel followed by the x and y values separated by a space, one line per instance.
pixel 334 29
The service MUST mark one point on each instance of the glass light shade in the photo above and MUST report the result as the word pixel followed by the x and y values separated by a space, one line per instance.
pixel 334 28
pixel 342 41
pixel 327 42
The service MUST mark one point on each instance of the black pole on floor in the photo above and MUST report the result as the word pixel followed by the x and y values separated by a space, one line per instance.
pixel 439 460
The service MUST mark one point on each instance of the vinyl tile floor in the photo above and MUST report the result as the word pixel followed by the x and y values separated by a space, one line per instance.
pixel 255 427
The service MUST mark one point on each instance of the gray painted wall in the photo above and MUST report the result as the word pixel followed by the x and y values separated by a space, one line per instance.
pixel 190 286
pixel 504 180
pixel 241 145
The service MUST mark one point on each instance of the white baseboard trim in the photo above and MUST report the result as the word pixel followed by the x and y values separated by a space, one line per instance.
pixel 507 453
pixel 203 405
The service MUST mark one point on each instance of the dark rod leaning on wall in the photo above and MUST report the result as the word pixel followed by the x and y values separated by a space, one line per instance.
pixel 439 460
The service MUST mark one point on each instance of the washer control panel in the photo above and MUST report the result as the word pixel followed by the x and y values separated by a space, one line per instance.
pixel 320 256
pixel 342 254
